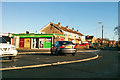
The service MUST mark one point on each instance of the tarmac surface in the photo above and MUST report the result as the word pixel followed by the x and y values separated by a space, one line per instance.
pixel 42 57
pixel 103 67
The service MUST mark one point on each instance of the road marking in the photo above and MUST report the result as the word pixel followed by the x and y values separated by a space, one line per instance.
pixel 51 64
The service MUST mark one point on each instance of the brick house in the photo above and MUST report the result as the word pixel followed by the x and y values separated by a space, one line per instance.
pixel 70 34
pixel 100 40
pixel 112 42
pixel 90 39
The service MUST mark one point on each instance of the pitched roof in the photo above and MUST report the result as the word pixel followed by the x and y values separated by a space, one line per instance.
pixel 56 27
pixel 66 29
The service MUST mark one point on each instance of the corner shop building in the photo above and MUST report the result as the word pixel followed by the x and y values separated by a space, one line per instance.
pixel 35 41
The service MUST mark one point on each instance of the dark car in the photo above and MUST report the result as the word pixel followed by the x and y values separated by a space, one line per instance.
pixel 64 47
pixel 119 46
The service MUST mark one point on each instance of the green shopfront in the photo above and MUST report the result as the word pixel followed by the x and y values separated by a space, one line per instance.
pixel 35 41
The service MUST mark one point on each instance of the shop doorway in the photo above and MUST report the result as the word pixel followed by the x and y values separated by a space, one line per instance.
pixel 34 43
pixel 37 43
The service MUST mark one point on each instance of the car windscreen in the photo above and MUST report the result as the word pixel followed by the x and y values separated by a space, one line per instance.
pixel 65 42
pixel 2 40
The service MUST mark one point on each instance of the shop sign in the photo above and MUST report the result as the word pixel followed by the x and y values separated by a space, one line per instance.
pixel 48 40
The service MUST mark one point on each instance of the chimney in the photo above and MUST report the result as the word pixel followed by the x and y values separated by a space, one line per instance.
pixel 87 35
pixel 77 30
pixel 73 29
pixel 59 24
pixel 66 26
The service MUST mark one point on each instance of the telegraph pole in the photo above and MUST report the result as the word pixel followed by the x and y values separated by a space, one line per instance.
pixel 102 34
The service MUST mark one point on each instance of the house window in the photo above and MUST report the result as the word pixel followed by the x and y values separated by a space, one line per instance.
pixel 73 35
pixel 79 42
pixel 76 36
pixel 65 34
pixel 69 35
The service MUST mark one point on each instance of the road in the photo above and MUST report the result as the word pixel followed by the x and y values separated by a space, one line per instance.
pixel 43 58
pixel 106 66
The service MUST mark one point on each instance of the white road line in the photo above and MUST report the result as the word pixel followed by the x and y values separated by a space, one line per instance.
pixel 42 65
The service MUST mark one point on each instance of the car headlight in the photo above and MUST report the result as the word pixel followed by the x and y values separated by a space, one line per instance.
pixel 0 49
pixel 13 48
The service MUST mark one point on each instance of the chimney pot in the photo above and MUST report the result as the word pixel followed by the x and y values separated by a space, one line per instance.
pixel 59 24
pixel 77 30
pixel 73 29
pixel 66 26
pixel 27 32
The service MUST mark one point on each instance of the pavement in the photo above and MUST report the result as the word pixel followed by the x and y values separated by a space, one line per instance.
pixel 47 50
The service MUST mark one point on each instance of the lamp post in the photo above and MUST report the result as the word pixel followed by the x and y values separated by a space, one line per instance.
pixel 102 32
pixel 96 28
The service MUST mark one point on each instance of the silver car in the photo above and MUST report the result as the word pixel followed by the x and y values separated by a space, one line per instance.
pixel 64 47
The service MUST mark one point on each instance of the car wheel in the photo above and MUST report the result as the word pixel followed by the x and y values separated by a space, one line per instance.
pixel 56 53
pixel 119 48
pixel 73 54
pixel 11 58
pixel 51 52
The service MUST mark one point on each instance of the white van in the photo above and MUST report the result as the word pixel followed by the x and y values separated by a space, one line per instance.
pixel 7 50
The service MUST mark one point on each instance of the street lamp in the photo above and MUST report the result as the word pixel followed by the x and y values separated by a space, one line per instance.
pixel 96 28
pixel 99 22
pixel 102 31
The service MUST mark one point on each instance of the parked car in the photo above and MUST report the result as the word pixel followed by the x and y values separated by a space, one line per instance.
pixel 7 50
pixel 64 47
pixel 119 46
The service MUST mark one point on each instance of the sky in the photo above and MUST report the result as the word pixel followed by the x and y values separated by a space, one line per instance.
pixel 17 17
